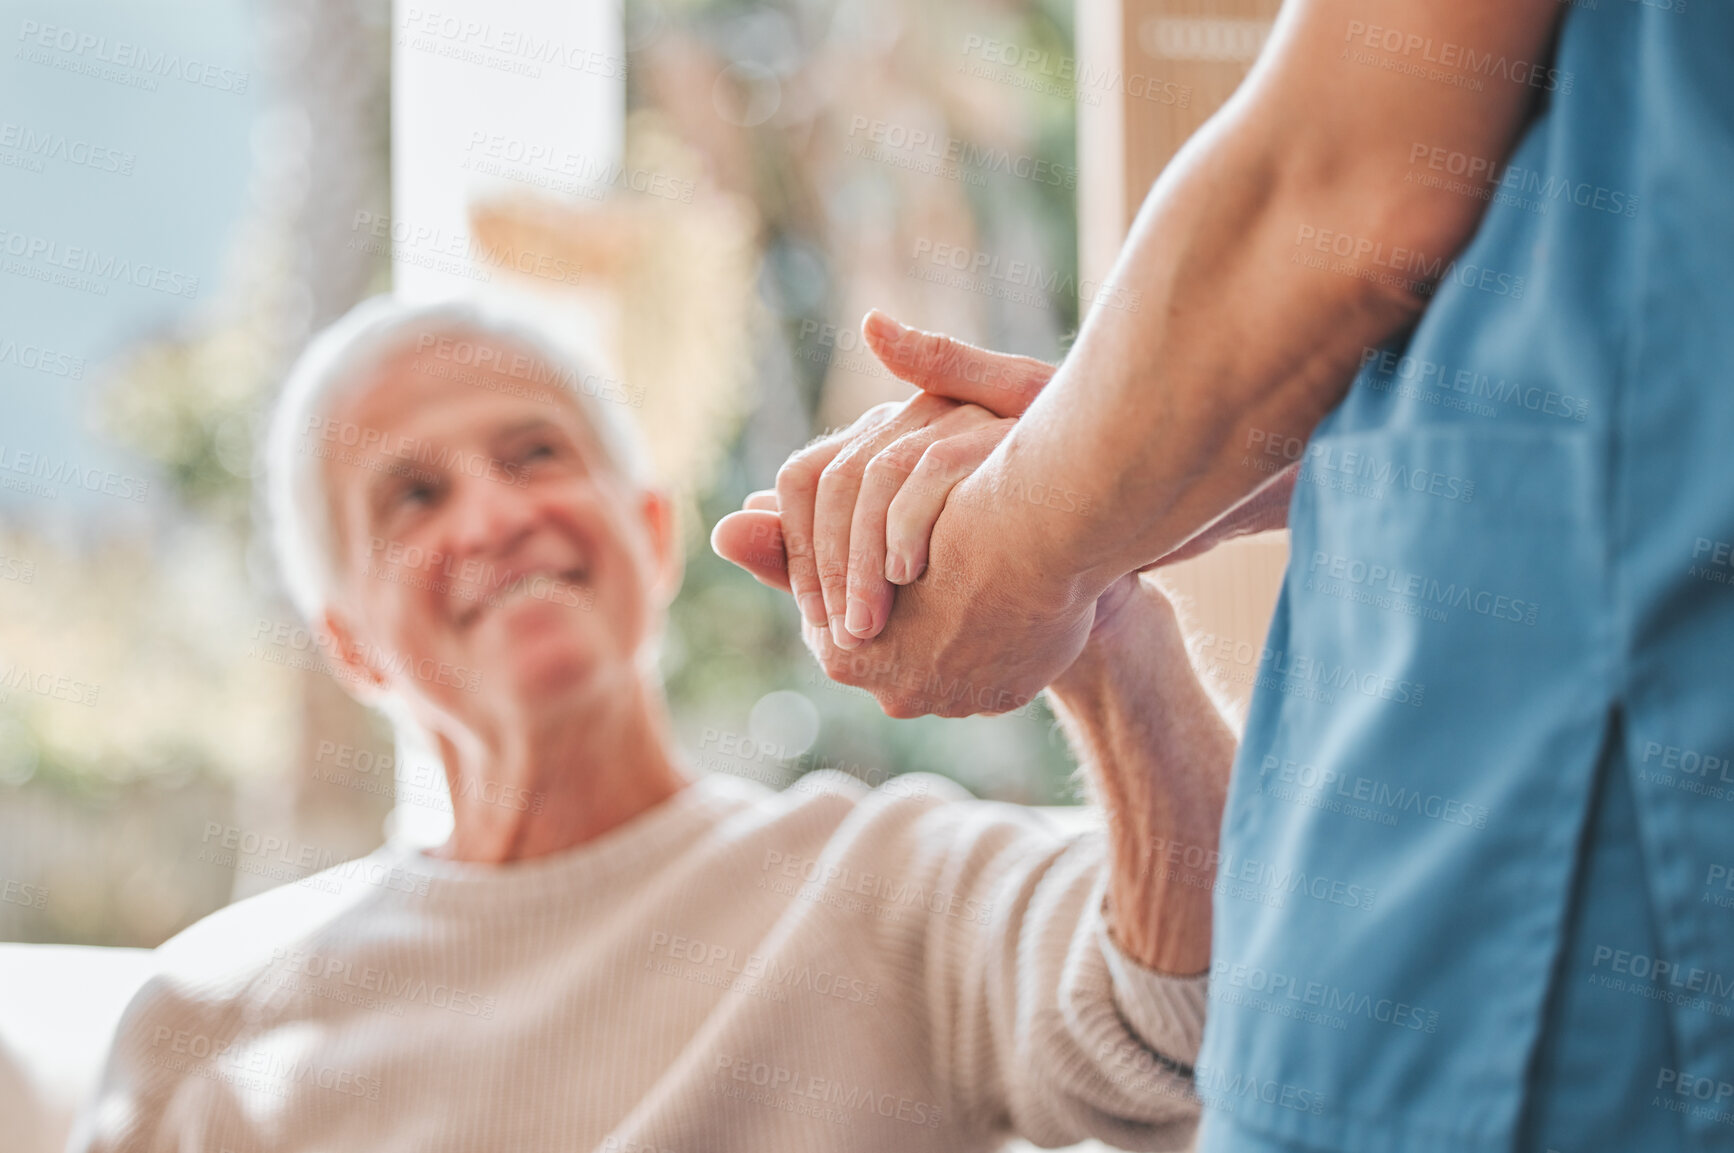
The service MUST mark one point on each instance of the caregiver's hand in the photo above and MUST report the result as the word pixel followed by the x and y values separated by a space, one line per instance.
pixel 865 500
pixel 897 467
pixel 985 581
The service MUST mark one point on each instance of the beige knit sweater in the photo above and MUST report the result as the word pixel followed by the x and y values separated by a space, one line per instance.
pixel 828 968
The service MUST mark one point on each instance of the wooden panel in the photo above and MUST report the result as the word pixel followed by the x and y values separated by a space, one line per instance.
pixel 1162 67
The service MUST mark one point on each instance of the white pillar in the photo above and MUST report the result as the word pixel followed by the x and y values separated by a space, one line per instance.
pixel 491 96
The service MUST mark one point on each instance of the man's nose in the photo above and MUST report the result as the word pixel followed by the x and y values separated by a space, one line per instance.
pixel 487 518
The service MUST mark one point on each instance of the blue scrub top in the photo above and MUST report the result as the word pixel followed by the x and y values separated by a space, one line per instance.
pixel 1477 888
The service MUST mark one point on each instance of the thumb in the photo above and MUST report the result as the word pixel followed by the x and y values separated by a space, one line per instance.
pixel 1003 384
pixel 753 539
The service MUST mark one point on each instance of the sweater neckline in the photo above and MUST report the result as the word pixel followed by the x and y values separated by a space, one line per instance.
pixel 576 875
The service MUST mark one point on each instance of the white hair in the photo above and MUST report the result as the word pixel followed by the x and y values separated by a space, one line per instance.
pixel 343 359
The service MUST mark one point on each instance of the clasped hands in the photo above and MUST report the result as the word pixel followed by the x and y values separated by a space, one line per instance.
pixel 924 570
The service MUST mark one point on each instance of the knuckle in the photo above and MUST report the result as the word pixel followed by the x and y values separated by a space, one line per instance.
pixel 946 457
pixel 880 412
pixel 942 356
pixel 796 473
pixel 846 465
pixel 894 463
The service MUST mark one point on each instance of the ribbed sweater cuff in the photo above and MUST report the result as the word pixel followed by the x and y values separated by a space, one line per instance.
pixel 1167 1012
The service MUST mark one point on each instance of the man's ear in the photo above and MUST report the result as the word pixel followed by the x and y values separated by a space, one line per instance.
pixel 349 656
pixel 660 525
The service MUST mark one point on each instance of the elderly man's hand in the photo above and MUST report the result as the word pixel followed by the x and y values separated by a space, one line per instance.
pixel 860 512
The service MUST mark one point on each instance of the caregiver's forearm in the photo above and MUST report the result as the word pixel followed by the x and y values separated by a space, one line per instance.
pixel 1158 754
pixel 1231 336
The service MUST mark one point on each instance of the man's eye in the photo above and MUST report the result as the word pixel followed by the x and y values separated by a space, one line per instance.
pixel 539 450
pixel 415 494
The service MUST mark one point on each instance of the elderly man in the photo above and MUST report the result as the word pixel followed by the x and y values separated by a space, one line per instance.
pixel 608 953
pixel 1479 253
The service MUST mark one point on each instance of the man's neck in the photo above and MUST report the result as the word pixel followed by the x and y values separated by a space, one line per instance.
pixel 545 788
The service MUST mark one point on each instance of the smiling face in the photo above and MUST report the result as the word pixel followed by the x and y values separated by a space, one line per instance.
pixel 493 565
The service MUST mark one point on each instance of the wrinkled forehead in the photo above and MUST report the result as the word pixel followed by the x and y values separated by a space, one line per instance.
pixel 483 377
